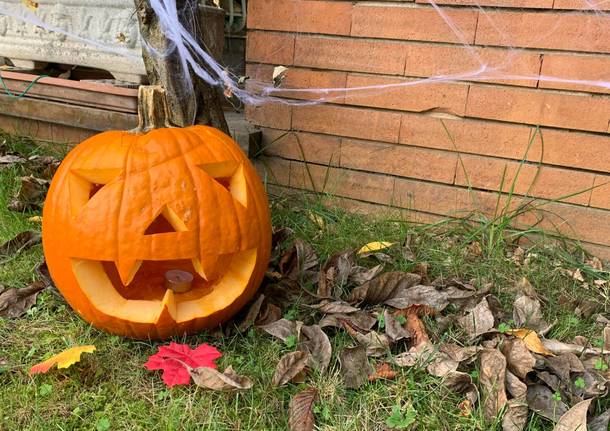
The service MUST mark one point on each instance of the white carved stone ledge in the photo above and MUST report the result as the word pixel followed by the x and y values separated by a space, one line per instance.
pixel 111 23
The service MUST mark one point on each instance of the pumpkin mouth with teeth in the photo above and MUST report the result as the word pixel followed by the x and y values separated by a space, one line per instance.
pixel 124 209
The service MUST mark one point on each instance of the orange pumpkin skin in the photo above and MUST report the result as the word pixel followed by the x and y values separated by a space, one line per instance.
pixel 124 208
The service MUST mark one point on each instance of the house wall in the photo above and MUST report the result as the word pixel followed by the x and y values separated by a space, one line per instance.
pixel 441 149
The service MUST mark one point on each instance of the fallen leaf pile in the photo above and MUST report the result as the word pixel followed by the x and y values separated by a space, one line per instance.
pixel 505 370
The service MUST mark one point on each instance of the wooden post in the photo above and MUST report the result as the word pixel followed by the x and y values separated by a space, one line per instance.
pixel 188 106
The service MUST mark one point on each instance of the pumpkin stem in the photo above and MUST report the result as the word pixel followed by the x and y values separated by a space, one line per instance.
pixel 153 110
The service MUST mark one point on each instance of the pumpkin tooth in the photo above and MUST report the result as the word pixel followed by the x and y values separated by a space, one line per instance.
pixel 167 316
pixel 198 267
pixel 128 269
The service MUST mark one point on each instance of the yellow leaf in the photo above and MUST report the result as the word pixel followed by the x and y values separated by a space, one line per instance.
pixel 531 339
pixel 35 219
pixel 375 246
pixel 63 359
pixel 30 4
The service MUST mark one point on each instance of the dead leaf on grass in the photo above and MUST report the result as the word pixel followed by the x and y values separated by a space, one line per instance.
pixel 414 325
pixel 383 370
pixel 515 416
pixel 574 419
pixel 289 366
pixel 462 383
pixel 479 320
pixel 269 314
pixel 9 160
pixel 541 400
pixel 527 313
pixel 355 367
pixel 556 347
pixel 211 378
pixel 297 262
pixel 316 342
pixel 518 357
pixel 16 302
pixel 417 355
pixel 253 312
pixel 282 328
pixel 362 320
pixel 492 378
pixel 376 344
pixel 335 273
pixel 20 242
pixel 382 287
pixel 419 294
pixel 334 307
pixel 393 328
pixel 361 275
pixel 300 411
pixel 532 341
pixel 600 423
pixel 30 195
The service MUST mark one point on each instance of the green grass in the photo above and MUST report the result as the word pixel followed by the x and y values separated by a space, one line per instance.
pixel 110 389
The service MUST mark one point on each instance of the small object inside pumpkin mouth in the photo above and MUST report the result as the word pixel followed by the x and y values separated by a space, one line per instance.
pixel 179 281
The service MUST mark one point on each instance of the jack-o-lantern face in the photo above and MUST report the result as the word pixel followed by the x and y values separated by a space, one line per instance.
pixel 124 209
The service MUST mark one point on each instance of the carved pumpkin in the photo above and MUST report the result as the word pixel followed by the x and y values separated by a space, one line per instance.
pixel 124 209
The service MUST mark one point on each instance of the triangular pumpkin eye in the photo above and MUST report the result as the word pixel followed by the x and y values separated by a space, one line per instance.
pixel 167 221
pixel 230 175
pixel 84 183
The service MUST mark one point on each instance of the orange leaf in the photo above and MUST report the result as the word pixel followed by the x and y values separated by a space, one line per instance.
pixel 531 339
pixel 62 360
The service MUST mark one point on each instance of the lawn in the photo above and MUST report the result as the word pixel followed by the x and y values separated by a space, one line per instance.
pixel 111 389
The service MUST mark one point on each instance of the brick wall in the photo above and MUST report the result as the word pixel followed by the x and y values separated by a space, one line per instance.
pixel 441 149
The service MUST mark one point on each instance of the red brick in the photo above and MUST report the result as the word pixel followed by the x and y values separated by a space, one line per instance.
pixel 426 60
pixel 562 148
pixel 310 147
pixel 406 94
pixel 328 17
pixel 529 179
pixel 467 136
pixel 317 81
pixel 276 115
pixel 350 54
pixel 420 163
pixel 551 30
pixel 595 5
pixel 351 122
pixel 576 67
pixel 570 111
pixel 267 47
pixel 404 22
pixel 538 4
pixel 600 196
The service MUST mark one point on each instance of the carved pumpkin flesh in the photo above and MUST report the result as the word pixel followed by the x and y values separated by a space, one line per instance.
pixel 123 209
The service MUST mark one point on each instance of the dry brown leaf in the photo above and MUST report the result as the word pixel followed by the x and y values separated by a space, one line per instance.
pixel 297 262
pixel 316 342
pixel 383 370
pixel 419 294
pixel 518 357
pixel 282 328
pixel 362 320
pixel 465 407
pixel 334 307
pixel 336 272
pixel 300 411
pixel 532 341
pixel 418 355
pixel 15 302
pixel 270 313
pixel 574 419
pixel 382 287
pixel 30 195
pixel 376 344
pixel 361 275
pixel 289 366
pixel 462 384
pixel 479 320
pixel 442 365
pixel 600 423
pixel 253 311
pixel 414 325
pixel 558 348
pixel 210 378
pixel 492 378
pixel 515 416
pixel 355 367
pixel 541 400
pixel 393 328
pixel 20 242
pixel 515 387
pixel 527 313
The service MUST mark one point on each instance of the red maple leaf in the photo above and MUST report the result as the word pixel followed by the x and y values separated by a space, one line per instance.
pixel 175 358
